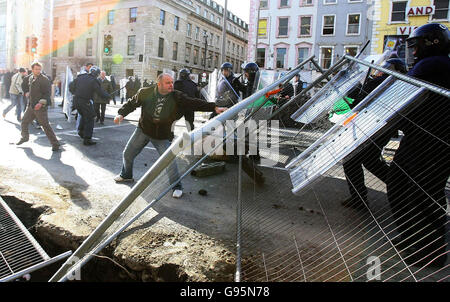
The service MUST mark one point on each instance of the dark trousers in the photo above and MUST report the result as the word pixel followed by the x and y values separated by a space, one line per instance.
pixel 189 117
pixel 86 115
pixel 416 193
pixel 100 110
pixel 372 160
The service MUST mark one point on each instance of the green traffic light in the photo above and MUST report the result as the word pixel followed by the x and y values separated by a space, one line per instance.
pixel 106 50
pixel 33 49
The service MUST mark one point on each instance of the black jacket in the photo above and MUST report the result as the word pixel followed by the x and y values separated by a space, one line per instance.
pixel 174 103
pixel 188 87
pixel 84 87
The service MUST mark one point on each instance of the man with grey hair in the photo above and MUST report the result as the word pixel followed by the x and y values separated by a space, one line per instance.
pixel 161 106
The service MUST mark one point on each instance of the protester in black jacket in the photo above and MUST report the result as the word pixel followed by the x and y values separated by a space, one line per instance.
pixel 160 108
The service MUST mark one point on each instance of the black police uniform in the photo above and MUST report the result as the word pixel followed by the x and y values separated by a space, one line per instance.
pixel 83 88
pixel 191 89
pixel 421 167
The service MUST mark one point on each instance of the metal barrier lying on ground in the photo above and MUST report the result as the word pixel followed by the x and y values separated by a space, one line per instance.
pixel 20 253
pixel 311 237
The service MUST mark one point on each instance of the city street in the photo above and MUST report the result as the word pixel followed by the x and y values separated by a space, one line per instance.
pixel 77 186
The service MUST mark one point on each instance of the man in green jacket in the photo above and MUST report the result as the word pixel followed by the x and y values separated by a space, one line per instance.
pixel 161 106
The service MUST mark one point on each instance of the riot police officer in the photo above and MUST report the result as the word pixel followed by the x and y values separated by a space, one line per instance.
pixel 421 164
pixel 83 88
pixel 186 85
pixel 251 73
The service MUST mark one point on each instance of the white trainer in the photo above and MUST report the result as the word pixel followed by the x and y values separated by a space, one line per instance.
pixel 177 193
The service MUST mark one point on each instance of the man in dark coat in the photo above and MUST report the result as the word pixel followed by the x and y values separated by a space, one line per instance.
pixel 100 102
pixel 83 88
pixel 187 86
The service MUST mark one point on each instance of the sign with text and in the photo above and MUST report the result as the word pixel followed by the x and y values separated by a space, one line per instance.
pixel 420 11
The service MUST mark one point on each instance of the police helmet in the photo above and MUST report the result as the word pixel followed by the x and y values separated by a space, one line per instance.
pixel 226 65
pixel 428 40
pixel 184 74
pixel 95 71
pixel 251 68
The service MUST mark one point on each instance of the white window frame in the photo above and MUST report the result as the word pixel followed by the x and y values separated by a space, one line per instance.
pixel 351 46
pixel 323 23
pixel 359 25
pixel 406 21
pixel 320 54
pixel 332 3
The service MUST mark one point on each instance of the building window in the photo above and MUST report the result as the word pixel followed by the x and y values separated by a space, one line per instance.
pixel 91 19
pixel 216 60
pixel 283 26
pixel 189 30
pixel 440 9
pixel 197 33
pixel 88 47
pixel 328 25
pixel 110 17
pixel 176 23
pixel 302 54
pixel 71 47
pixel 161 48
pixel 398 12
pixel 55 48
pixel 305 25
pixel 72 23
pixel 306 2
pixel 205 14
pixel 198 9
pixel 187 53
pixel 263 4
pixel 351 50
pixel 353 24
pixel 283 3
pixel 131 45
pixel 261 57
pixel 195 56
pixel 133 15
pixel 329 1
pixel 55 23
pixel 326 57
pixel 262 28
pixel 162 17
pixel 281 57
pixel 175 51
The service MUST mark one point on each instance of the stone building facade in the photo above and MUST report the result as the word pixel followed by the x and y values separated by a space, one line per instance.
pixel 144 38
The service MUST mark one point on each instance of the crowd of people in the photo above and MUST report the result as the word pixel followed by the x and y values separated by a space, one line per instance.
pixel 416 177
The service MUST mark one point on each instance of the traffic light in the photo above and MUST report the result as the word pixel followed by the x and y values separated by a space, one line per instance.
pixel 107 45
pixel 27 45
pixel 33 44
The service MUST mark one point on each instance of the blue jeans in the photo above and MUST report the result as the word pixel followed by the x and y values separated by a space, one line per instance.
pixel 135 144
pixel 16 100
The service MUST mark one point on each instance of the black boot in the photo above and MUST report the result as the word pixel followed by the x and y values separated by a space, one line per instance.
pixel 88 142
